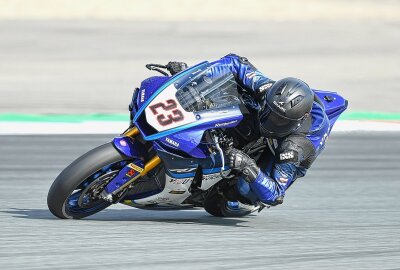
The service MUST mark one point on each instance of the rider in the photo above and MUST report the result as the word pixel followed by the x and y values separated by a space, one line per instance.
pixel 293 123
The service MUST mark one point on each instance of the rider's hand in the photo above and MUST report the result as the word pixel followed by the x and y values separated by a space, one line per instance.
pixel 176 67
pixel 240 161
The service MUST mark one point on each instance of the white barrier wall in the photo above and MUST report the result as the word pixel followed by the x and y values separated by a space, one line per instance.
pixel 198 10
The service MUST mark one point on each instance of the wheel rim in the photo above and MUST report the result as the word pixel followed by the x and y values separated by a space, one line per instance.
pixel 84 198
pixel 93 190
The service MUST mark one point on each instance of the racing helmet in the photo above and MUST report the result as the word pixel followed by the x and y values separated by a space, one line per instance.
pixel 288 103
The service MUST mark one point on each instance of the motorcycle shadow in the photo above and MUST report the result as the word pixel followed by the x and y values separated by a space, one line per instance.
pixel 170 216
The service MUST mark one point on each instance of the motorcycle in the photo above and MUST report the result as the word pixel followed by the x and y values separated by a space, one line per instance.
pixel 172 154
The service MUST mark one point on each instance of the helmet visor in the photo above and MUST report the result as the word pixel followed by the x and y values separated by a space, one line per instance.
pixel 275 125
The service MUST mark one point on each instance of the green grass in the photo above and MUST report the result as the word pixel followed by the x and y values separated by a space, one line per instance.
pixel 78 118
pixel 382 116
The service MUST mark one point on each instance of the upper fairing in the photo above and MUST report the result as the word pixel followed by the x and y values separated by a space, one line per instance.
pixel 168 107
pixel 148 87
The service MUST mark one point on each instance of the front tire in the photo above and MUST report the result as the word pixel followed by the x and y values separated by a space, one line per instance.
pixel 65 195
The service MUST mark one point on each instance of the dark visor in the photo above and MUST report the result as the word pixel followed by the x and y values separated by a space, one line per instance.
pixel 275 125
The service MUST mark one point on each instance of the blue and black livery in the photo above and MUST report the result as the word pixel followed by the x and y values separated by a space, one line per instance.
pixel 292 156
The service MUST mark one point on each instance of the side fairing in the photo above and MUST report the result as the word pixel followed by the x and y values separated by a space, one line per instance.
pixel 189 139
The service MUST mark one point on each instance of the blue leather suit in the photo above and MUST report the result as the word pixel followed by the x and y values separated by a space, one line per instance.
pixel 285 159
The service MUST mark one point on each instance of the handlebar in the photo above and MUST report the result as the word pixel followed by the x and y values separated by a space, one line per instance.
pixel 172 67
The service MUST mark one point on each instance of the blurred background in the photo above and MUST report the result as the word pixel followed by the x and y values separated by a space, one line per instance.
pixel 83 57
pixel 64 61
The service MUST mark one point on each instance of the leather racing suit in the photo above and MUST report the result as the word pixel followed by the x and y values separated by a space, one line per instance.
pixel 285 159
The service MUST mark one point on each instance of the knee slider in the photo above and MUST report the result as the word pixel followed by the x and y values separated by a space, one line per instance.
pixel 278 200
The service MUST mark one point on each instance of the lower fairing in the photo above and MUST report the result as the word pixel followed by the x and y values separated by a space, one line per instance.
pixel 176 191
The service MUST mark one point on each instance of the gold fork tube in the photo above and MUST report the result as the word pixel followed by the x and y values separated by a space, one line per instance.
pixel 132 132
pixel 147 167
pixel 150 165
pixel 152 162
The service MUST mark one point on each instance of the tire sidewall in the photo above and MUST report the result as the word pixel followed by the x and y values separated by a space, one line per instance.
pixel 77 172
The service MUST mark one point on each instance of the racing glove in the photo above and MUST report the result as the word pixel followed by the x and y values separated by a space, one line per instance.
pixel 176 67
pixel 240 161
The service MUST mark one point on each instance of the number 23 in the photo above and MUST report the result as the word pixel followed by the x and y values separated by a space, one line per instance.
pixel 167 119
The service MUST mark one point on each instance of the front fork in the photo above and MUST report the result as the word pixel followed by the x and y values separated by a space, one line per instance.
pixel 128 146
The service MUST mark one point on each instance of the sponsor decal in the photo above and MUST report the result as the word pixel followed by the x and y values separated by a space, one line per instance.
pixel 225 124
pixel 180 181
pixel 287 155
pixel 177 192
pixel 272 144
pixel 174 143
pixel 183 170
pixel 324 138
pixel 211 177
pixel 152 202
pixel 251 75
pixel 243 59
pixel 142 95
pixel 135 167
pixel 290 155
pixel 197 71
pixel 279 105
pixel 283 180
pixel 265 87
pixel 130 173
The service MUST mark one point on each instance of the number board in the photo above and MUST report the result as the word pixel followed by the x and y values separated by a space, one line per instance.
pixel 165 112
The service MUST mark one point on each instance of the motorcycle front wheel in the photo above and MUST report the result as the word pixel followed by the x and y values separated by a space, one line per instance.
pixel 74 193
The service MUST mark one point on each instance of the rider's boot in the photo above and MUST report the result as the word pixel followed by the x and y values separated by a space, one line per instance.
pixel 225 201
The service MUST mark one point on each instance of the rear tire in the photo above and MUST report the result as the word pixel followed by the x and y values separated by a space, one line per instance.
pixel 72 177
pixel 214 203
pixel 217 205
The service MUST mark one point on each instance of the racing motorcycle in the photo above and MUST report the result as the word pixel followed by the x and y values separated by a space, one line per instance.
pixel 172 154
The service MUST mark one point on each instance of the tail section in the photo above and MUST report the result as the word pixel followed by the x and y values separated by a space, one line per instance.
pixel 334 104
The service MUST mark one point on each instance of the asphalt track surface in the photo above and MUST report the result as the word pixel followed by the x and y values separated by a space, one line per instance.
pixel 343 215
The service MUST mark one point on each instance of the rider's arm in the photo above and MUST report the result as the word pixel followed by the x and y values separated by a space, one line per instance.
pixel 271 189
pixel 294 157
pixel 245 73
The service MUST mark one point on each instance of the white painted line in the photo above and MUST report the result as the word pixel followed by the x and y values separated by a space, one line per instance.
pixel 352 125
pixel 108 127
pixel 31 128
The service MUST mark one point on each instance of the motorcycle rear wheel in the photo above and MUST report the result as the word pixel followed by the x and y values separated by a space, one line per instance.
pixel 217 205
pixel 68 197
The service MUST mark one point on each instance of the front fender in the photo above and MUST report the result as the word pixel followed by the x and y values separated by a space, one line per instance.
pixel 129 147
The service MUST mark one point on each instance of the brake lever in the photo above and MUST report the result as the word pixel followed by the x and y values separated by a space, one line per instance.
pixel 157 67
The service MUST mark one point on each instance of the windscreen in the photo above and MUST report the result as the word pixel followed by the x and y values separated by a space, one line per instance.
pixel 204 89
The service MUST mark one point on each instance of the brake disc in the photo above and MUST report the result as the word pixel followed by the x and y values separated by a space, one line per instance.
pixel 93 190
